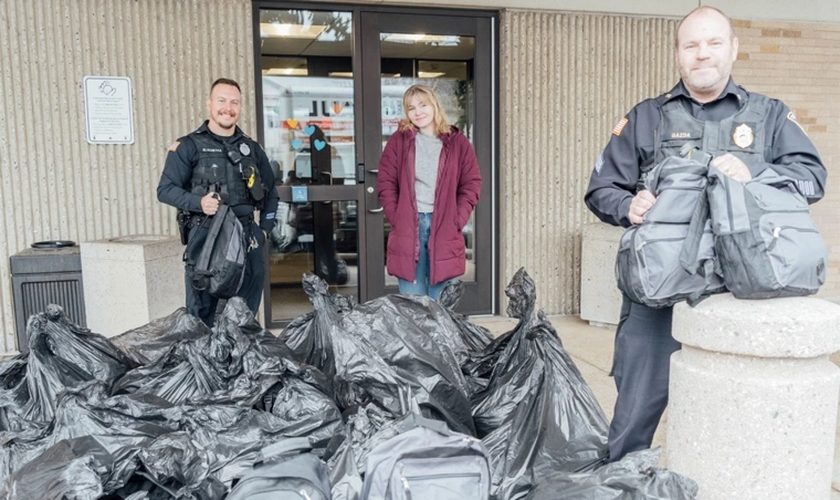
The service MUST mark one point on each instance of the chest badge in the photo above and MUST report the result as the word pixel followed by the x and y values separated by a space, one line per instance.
pixel 743 136
pixel 246 149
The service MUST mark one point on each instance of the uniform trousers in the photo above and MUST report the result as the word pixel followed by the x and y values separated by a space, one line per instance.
pixel 641 368
pixel 203 305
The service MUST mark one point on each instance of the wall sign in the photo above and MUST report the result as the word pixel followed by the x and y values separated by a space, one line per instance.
pixel 109 110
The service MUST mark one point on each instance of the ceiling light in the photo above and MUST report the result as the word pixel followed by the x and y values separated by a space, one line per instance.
pixel 420 38
pixel 430 74
pixel 287 72
pixel 341 74
pixel 278 30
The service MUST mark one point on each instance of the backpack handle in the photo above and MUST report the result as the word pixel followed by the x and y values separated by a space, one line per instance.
pixel 298 444
pixel 413 420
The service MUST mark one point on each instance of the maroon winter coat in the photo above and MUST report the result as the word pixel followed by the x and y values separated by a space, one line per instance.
pixel 456 193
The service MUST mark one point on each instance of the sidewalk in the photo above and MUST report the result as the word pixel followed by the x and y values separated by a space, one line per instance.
pixel 591 349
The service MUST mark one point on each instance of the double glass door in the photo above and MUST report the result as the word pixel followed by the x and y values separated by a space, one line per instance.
pixel 330 88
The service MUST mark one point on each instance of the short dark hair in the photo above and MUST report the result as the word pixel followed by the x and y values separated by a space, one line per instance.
pixel 225 81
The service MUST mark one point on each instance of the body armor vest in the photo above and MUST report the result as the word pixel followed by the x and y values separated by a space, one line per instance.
pixel 741 134
pixel 216 171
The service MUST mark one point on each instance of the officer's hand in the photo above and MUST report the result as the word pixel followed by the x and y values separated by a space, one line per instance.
pixel 210 203
pixel 733 167
pixel 640 205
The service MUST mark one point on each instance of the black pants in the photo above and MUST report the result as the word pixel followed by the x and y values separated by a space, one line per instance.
pixel 203 305
pixel 641 368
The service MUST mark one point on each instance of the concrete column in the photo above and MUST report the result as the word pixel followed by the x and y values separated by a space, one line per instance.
pixel 753 397
pixel 131 280
pixel 600 299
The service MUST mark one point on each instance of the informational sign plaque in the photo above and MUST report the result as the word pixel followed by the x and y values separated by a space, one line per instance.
pixel 109 110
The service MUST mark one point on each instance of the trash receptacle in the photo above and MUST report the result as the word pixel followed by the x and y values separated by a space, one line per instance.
pixel 50 272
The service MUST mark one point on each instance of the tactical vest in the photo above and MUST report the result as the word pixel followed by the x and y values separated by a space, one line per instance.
pixel 741 134
pixel 216 171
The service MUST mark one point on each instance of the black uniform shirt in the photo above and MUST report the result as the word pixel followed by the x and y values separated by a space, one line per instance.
pixel 617 170
pixel 174 186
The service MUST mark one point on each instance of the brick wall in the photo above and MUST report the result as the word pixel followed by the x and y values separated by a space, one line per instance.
pixel 799 63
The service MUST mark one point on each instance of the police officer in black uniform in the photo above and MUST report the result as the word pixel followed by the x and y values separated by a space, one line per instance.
pixel 745 132
pixel 218 163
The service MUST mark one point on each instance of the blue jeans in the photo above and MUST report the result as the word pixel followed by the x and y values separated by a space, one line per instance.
pixel 420 285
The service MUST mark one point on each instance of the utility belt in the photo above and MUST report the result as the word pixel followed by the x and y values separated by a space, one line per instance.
pixel 189 220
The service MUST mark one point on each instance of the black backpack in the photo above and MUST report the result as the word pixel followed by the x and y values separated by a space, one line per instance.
pixel 220 268
pixel 286 470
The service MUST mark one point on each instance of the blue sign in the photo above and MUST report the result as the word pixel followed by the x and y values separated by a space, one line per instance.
pixel 300 194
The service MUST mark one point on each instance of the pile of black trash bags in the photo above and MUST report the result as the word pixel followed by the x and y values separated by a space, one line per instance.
pixel 174 409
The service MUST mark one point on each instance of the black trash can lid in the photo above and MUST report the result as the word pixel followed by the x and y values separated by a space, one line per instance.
pixel 53 244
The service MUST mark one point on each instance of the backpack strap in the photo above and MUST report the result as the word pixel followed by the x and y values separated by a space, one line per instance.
pixel 691 244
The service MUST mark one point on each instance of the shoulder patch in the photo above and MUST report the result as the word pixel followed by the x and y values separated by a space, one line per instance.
pixel 792 117
pixel 616 131
pixel 174 145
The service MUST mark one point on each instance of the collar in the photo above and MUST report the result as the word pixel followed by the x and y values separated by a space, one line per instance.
pixel 204 129
pixel 731 88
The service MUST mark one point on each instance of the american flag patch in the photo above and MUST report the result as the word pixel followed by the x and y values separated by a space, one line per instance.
pixel 174 146
pixel 619 126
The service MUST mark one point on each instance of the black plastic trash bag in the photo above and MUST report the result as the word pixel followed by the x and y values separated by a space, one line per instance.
pixel 475 338
pixel 419 341
pixel 227 441
pixel 14 393
pixel 537 412
pixel 177 465
pixel 61 472
pixel 358 374
pixel 147 343
pixel 397 351
pixel 117 427
pixel 64 355
pixel 634 477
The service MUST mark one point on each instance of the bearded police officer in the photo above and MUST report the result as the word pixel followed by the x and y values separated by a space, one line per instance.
pixel 218 163
pixel 745 132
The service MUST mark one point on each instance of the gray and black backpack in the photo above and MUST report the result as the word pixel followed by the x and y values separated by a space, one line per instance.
pixel 648 267
pixel 767 245
pixel 427 461
pixel 286 470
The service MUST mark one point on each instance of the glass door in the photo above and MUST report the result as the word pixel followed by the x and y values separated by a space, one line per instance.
pixel 330 86
pixel 453 55
pixel 309 128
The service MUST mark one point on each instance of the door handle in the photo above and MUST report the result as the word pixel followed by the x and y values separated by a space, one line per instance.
pixel 376 210
pixel 373 170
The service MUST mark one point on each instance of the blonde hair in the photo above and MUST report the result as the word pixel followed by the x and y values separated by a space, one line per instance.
pixel 427 95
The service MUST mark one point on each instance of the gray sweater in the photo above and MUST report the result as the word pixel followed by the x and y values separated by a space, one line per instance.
pixel 426 161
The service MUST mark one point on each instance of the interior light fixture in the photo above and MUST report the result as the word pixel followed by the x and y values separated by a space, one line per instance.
pixel 287 72
pixel 420 38
pixel 283 30
pixel 340 74
pixel 430 74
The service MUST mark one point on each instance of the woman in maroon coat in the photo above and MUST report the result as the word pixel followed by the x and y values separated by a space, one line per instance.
pixel 428 185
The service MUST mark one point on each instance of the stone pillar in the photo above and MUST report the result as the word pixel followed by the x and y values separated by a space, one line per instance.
pixel 131 280
pixel 600 300
pixel 753 397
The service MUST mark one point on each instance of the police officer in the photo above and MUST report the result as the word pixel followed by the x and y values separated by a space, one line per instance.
pixel 218 163
pixel 745 132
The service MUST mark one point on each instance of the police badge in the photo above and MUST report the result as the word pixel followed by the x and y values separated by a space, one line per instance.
pixel 743 136
pixel 246 150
